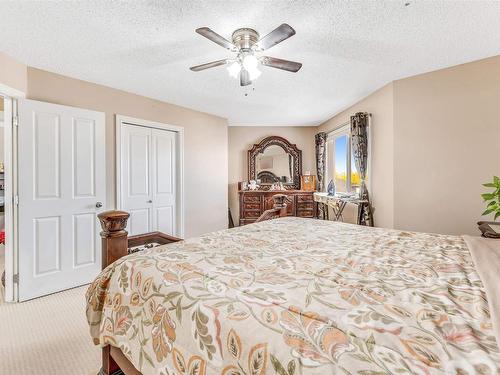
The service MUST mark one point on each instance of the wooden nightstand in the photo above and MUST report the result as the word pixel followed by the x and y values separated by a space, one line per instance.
pixel 487 231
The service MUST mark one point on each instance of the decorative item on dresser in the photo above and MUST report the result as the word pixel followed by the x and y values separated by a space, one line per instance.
pixel 253 203
pixel 308 182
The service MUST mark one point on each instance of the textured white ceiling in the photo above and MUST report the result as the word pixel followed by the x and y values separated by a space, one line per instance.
pixel 348 49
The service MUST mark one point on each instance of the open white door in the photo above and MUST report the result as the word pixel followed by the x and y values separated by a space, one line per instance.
pixel 62 187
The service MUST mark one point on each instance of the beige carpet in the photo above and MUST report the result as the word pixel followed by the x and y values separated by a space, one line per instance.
pixel 47 336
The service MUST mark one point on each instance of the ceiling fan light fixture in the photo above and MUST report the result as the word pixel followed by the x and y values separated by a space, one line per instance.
pixel 250 62
pixel 251 65
pixel 234 69
pixel 245 42
pixel 253 73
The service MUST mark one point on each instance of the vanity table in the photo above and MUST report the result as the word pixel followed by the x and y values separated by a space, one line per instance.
pixel 338 203
pixel 275 161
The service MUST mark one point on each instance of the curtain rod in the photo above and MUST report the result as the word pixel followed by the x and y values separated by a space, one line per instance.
pixel 344 124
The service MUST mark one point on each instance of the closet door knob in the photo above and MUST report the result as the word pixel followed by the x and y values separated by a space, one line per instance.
pixel 150 201
pixel 98 204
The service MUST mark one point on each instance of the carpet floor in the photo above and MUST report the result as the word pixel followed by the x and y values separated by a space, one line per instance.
pixel 47 336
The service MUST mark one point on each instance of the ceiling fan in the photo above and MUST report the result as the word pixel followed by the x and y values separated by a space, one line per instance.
pixel 246 43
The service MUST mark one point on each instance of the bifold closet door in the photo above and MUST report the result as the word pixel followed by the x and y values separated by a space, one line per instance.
pixel 136 192
pixel 164 180
pixel 148 178
pixel 61 188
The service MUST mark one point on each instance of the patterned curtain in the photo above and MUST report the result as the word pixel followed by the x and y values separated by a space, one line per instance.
pixel 359 145
pixel 320 139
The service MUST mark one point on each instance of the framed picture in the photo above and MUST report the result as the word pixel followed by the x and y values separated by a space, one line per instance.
pixel 308 182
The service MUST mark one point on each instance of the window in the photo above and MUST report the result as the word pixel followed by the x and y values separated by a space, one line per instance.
pixel 340 164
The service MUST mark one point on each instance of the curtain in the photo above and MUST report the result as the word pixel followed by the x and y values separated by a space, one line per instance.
pixel 320 139
pixel 359 146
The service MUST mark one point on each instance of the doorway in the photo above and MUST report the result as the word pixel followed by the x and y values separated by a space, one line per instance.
pixel 2 201
pixel 149 165
pixel 7 181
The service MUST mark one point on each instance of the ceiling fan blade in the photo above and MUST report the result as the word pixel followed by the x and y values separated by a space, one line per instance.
pixel 216 38
pixel 209 65
pixel 245 78
pixel 273 62
pixel 282 32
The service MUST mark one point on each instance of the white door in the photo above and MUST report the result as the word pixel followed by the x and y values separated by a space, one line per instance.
pixel 135 171
pixel 62 183
pixel 164 181
pixel 148 179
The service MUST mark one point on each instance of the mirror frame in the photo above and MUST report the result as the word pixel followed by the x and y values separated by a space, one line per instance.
pixel 289 149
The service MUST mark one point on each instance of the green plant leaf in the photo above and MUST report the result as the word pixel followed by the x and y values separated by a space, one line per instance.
pixel 492 199
pixel 488 196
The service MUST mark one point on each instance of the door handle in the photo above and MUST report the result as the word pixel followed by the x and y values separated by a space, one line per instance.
pixel 149 201
pixel 98 204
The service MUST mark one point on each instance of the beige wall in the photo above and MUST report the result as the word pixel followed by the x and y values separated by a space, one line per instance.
pixel 205 153
pixel 242 138
pixel 435 140
pixel 12 73
pixel 380 105
pixel 446 144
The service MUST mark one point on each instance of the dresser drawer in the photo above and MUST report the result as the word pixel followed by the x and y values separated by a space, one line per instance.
pixel 305 198
pixel 305 213
pixel 247 221
pixel 251 206
pixel 252 214
pixel 305 206
pixel 251 199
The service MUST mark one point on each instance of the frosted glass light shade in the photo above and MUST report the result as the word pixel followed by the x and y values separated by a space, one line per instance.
pixel 234 69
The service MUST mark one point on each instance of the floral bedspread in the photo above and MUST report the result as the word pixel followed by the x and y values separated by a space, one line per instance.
pixel 298 296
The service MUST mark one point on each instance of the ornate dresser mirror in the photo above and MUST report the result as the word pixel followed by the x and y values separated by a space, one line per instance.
pixel 273 160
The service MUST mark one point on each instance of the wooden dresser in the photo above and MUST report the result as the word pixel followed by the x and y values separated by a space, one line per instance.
pixel 253 203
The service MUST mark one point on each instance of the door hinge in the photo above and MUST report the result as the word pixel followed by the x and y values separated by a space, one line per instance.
pixel 16 200
pixel 15 120
pixel 16 278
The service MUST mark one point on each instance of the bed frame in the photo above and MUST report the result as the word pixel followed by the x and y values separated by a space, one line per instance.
pixel 116 244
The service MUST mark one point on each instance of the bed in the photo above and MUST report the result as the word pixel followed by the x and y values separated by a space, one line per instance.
pixel 292 296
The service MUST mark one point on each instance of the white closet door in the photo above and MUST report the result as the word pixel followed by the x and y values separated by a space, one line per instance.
pixel 62 182
pixel 148 178
pixel 164 181
pixel 136 191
